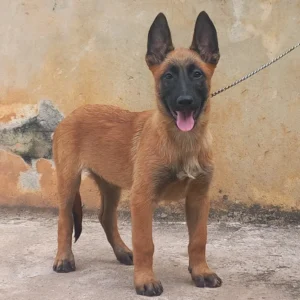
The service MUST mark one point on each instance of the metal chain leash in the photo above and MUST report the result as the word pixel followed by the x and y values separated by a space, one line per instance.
pixel 254 72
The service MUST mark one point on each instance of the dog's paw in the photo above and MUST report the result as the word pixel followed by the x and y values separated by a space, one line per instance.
pixel 207 280
pixel 125 257
pixel 150 289
pixel 210 280
pixel 65 264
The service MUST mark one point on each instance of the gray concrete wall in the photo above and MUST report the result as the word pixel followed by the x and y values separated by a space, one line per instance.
pixel 75 52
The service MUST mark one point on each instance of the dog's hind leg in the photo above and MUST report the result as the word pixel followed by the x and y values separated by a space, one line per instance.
pixel 110 197
pixel 68 192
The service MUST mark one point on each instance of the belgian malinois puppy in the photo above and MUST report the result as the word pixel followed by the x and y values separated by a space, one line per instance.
pixel 160 154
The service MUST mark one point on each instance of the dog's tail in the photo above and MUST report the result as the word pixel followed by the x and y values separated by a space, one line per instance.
pixel 77 216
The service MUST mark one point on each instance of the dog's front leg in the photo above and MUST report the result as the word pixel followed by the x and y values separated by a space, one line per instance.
pixel 143 247
pixel 197 210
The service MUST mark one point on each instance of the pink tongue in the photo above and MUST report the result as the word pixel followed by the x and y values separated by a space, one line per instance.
pixel 185 120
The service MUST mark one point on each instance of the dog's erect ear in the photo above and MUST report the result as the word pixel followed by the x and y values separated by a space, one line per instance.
pixel 205 40
pixel 159 41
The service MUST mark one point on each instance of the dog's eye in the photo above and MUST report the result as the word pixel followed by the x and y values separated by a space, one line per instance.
pixel 197 74
pixel 168 76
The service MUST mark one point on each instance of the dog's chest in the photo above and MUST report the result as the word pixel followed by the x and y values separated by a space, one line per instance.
pixel 173 182
pixel 189 169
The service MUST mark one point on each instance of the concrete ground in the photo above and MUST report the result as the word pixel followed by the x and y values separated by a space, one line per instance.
pixel 255 262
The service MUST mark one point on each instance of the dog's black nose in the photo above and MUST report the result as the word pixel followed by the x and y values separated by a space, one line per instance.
pixel 185 100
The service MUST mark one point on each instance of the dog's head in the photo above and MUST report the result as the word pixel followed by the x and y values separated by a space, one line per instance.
pixel 182 76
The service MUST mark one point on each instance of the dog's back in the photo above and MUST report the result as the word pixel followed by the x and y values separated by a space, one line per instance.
pixel 101 139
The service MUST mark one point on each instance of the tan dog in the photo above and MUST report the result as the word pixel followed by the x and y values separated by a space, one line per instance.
pixel 160 154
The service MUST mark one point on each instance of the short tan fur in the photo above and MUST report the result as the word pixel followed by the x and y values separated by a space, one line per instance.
pixel 147 153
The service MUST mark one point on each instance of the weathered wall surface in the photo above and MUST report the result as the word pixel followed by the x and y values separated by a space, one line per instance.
pixel 57 55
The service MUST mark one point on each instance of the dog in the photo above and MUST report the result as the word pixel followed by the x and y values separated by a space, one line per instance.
pixel 160 154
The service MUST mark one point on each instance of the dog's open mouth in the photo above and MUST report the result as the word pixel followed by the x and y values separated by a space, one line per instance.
pixel 185 120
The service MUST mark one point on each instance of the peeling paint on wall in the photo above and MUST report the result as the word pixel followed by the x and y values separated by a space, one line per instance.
pixel 30 180
pixel 238 31
pixel 31 138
